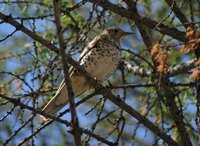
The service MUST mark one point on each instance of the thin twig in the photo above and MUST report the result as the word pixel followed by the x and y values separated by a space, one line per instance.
pixel 179 35
pixel 172 4
pixel 17 102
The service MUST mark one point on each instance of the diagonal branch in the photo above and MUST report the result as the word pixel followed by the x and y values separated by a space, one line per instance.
pixel 152 24
pixel 172 4
pixel 74 118
pixel 181 68
pixel 20 27
pixel 17 102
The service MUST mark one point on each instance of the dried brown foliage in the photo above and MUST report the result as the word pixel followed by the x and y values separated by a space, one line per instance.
pixel 193 40
pixel 197 63
pixel 160 57
pixel 196 72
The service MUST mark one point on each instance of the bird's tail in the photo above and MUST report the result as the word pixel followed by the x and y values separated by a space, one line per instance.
pixel 57 102
pixel 79 85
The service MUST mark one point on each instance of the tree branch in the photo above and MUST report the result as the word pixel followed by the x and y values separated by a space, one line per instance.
pixel 74 118
pixel 152 24
pixel 182 68
pixel 20 27
pixel 17 102
pixel 175 112
pixel 172 4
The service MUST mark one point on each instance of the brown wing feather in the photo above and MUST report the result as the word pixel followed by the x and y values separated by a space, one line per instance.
pixel 89 46
pixel 60 99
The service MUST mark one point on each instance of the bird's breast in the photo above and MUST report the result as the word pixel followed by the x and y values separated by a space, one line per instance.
pixel 102 61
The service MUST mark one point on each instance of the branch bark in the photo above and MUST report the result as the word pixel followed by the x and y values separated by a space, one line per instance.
pixel 197 53
pixel 74 117
pixel 17 102
pixel 182 68
pixel 152 24
pixel 175 112
pixel 172 4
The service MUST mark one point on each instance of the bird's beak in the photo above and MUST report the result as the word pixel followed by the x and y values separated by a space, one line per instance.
pixel 127 33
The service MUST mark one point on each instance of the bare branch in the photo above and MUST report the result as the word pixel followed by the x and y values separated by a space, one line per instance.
pixel 152 24
pixel 74 118
pixel 17 102
pixel 172 4
pixel 20 27
pixel 176 113
pixel 179 69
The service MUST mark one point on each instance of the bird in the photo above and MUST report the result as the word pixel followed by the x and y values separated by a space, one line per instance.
pixel 100 58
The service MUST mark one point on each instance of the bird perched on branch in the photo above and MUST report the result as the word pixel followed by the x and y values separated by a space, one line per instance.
pixel 100 58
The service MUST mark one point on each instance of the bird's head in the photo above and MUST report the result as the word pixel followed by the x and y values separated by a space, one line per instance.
pixel 116 33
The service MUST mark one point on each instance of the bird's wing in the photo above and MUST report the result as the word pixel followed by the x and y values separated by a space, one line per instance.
pixel 60 99
pixel 88 47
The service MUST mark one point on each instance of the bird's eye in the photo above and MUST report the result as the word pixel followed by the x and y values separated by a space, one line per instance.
pixel 116 30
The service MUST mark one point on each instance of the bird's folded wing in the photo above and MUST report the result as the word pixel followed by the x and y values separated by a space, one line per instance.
pixel 89 47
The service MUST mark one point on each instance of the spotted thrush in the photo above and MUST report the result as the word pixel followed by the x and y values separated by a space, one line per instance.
pixel 100 58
